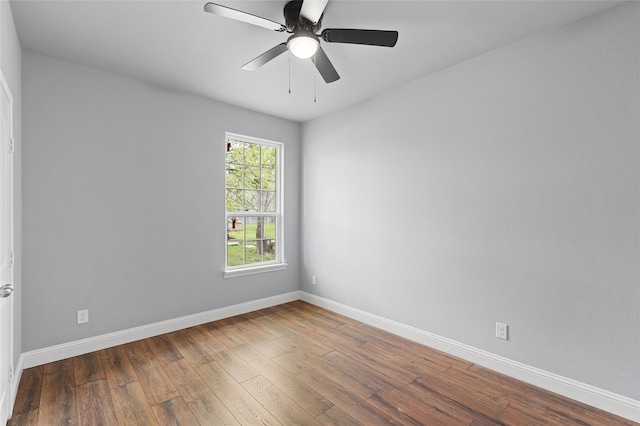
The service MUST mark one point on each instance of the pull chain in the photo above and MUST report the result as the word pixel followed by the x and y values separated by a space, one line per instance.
pixel 314 78
pixel 289 73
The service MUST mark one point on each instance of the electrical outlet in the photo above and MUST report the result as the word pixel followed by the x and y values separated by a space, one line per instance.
pixel 83 316
pixel 314 280
pixel 501 331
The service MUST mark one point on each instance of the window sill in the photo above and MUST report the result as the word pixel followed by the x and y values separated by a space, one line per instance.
pixel 254 270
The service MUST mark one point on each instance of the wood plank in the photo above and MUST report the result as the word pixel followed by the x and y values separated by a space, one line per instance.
pixel 374 362
pixel 402 359
pixel 243 406
pixel 164 349
pixel 410 407
pixel 279 405
pixel 87 368
pixel 29 390
pixel 211 411
pixel 206 339
pixel 131 406
pixel 336 416
pixel 151 375
pixel 316 321
pixel 28 418
pixel 348 379
pixel 266 329
pixel 515 414
pixel 350 403
pixel 334 338
pixel 304 395
pixel 302 344
pixel 538 401
pixel 342 319
pixel 95 406
pixel 189 349
pixel 409 347
pixel 253 335
pixel 476 399
pixel 58 403
pixel 369 376
pixel 224 334
pixel 297 324
pixel 284 328
pixel 201 400
pixel 137 347
pixel 188 383
pixel 442 404
pixel 174 412
pixel 117 367
pixel 296 316
pixel 235 365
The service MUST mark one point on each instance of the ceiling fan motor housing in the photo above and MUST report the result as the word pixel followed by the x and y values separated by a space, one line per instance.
pixel 295 22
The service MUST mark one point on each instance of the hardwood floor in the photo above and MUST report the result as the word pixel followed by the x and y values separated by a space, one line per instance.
pixel 293 364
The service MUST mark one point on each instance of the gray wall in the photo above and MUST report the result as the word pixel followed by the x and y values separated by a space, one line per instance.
pixel 505 188
pixel 124 203
pixel 11 63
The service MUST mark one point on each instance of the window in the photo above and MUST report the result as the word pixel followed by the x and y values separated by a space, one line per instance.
pixel 253 192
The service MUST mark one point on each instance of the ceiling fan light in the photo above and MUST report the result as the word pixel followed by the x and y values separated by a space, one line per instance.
pixel 303 45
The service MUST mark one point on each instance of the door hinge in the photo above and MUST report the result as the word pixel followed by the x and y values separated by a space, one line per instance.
pixel 10 372
pixel 11 259
pixel 11 145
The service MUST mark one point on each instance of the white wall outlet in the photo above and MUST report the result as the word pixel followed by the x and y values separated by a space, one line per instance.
pixel 83 316
pixel 314 280
pixel 502 331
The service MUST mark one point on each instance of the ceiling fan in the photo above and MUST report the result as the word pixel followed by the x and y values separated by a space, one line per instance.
pixel 303 21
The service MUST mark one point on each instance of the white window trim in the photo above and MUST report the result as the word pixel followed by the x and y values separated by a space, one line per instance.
pixel 230 273
pixel 279 263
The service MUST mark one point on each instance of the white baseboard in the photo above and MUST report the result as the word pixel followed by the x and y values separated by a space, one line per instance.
pixel 83 346
pixel 608 401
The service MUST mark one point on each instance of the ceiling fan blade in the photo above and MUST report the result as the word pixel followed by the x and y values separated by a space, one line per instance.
pixel 228 12
pixel 270 54
pixel 325 67
pixel 312 10
pixel 369 37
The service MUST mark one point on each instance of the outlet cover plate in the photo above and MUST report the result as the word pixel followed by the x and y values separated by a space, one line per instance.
pixel 502 331
pixel 83 316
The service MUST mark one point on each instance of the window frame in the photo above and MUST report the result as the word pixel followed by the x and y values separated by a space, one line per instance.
pixel 279 262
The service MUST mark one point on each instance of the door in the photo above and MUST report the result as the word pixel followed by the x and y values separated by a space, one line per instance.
pixel 6 249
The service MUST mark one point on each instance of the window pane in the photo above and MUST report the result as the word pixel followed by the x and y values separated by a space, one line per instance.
pixel 265 235
pixel 234 200
pixel 252 201
pixel 268 157
pixel 268 228
pixel 269 179
pixel 269 250
pixel 250 253
pixel 233 177
pixel 235 151
pixel 268 201
pixel 259 227
pixel 235 243
pixel 252 177
pixel 252 154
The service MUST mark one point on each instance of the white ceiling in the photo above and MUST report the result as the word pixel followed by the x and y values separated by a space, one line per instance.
pixel 177 45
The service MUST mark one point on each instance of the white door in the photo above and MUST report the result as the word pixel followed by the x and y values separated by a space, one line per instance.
pixel 6 248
